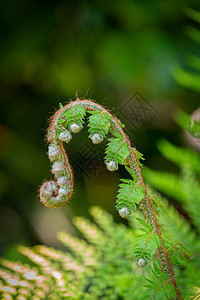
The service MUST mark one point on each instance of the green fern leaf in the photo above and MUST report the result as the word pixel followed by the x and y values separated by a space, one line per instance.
pixel 99 123
pixel 185 121
pixel 178 252
pixel 74 115
pixel 117 150
pixel 147 243
pixel 159 287
pixel 130 193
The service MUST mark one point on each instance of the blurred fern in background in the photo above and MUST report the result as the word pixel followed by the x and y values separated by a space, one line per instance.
pixel 190 78
pixel 102 267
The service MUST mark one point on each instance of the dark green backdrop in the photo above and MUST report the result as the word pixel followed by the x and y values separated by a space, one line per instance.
pixel 122 53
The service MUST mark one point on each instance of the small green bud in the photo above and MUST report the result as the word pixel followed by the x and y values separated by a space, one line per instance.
pixel 96 138
pixel 48 191
pixel 53 151
pixel 112 166
pixel 124 212
pixel 141 262
pixel 57 168
pixel 63 192
pixel 65 136
pixel 75 128
pixel 62 181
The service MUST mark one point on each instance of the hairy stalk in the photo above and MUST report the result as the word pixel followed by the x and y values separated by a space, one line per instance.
pixel 163 254
pixel 55 193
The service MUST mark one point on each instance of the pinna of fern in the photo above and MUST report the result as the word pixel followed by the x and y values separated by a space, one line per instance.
pixel 69 119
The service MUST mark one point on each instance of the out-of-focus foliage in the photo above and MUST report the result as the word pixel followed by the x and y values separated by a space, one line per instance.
pixel 103 266
pixel 191 125
pixel 191 78
pixel 185 188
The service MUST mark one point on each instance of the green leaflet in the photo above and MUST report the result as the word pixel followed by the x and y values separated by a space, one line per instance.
pixel 185 121
pixel 98 122
pixel 180 156
pixel 147 243
pixel 177 252
pixel 73 115
pixel 195 293
pixel 129 194
pixel 168 183
pixel 131 172
pixel 159 287
pixel 117 150
pixel 116 134
pixel 192 14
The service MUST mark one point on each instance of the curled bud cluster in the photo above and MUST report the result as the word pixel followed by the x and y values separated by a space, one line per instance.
pixel 58 168
pixel 75 128
pixel 112 166
pixel 124 212
pixel 118 152
pixel 141 262
pixel 96 138
pixel 53 151
pixel 56 193
pixel 65 136
pixel 63 181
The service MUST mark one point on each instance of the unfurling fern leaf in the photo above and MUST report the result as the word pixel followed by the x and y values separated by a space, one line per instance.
pixel 146 244
pixel 99 125
pixel 118 151
pixel 73 118
pixel 130 194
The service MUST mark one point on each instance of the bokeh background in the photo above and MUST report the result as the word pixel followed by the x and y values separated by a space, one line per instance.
pixel 111 51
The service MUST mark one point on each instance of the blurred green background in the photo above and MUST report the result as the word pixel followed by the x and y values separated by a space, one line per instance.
pixel 111 50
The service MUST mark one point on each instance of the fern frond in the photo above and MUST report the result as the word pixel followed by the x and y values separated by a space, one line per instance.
pixel 103 219
pixel 176 226
pixel 99 124
pixel 90 231
pixel 74 115
pixel 191 189
pixel 187 79
pixel 195 293
pixel 65 260
pixel 104 270
pixel 117 150
pixel 192 14
pixel 130 193
pixel 168 183
pixel 159 287
pixel 190 79
pixel 177 252
pixel 180 156
pixel 79 247
pixel 185 121
pixel 193 33
pixel 147 243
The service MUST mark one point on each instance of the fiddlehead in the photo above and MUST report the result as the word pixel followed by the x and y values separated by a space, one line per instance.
pixel 69 119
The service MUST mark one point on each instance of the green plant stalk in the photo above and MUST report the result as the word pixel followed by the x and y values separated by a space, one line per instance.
pixel 132 161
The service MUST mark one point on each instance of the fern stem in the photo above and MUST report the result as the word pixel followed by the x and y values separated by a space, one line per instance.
pixel 134 165
pixel 162 249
